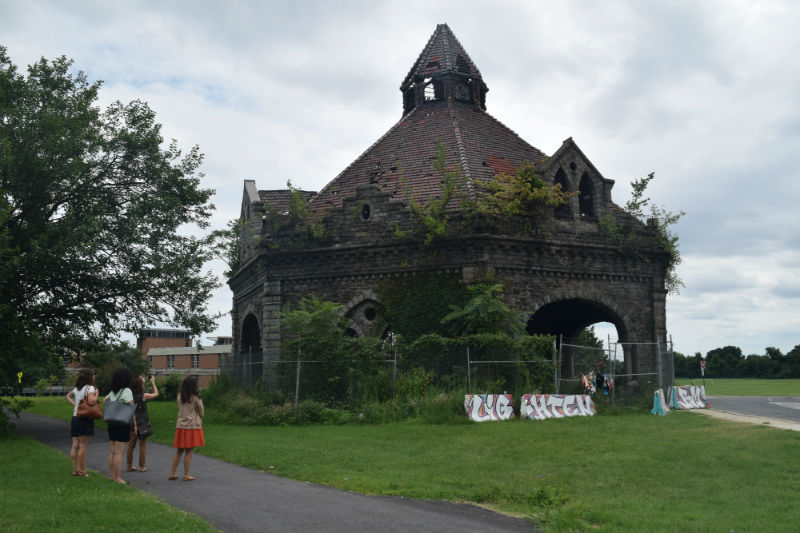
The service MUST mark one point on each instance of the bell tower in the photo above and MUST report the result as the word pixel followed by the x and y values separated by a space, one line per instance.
pixel 443 71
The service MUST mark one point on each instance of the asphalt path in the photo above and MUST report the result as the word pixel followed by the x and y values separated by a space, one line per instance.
pixel 236 499
pixel 786 408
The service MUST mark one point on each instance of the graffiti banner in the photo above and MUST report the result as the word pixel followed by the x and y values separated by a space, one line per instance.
pixel 659 405
pixel 484 407
pixel 541 406
pixel 688 397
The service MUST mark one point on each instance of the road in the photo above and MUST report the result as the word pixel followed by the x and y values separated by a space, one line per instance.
pixel 785 408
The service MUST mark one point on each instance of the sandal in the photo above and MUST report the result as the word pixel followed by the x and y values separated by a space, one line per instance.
pixel 131 469
pixel 82 474
pixel 142 469
pixel 189 478
pixel 171 478
pixel 74 473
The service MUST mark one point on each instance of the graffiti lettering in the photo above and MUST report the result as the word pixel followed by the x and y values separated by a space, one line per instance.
pixel 688 397
pixel 542 406
pixel 483 407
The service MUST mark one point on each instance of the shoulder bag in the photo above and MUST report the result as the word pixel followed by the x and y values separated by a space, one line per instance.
pixel 144 430
pixel 89 409
pixel 118 413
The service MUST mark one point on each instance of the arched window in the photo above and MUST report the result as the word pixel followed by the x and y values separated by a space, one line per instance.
pixel 562 211
pixel 586 197
pixel 251 334
pixel 433 90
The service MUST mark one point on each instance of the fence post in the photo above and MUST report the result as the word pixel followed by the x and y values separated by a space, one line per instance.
pixel 560 359
pixel 297 379
pixel 555 365
pixel 394 365
pixel 249 368
pixel 469 374
pixel 660 371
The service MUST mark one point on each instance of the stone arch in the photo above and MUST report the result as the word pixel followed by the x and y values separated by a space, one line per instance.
pixel 250 332
pixel 249 360
pixel 568 312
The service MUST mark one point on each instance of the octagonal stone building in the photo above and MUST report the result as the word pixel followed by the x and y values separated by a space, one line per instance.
pixel 568 274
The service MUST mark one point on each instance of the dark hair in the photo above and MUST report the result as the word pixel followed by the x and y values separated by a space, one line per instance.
pixel 189 388
pixel 136 385
pixel 120 380
pixel 84 378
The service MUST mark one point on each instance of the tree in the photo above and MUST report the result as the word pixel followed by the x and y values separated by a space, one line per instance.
pixel 662 222
pixel 723 362
pixel 484 312
pixel 94 218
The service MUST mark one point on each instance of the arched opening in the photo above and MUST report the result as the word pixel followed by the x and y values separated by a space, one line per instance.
pixel 563 210
pixel 250 358
pixel 251 333
pixel 586 197
pixel 434 90
pixel 582 350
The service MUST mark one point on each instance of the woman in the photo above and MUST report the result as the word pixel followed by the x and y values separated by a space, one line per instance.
pixel 81 429
pixel 118 435
pixel 189 429
pixel 140 419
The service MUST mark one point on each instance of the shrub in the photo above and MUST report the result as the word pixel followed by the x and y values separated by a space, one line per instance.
pixel 169 387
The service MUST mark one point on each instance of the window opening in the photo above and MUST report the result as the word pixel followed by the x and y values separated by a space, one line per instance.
pixel 195 361
pixel 586 197
pixel 562 210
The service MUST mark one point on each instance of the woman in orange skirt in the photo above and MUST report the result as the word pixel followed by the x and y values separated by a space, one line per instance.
pixel 189 429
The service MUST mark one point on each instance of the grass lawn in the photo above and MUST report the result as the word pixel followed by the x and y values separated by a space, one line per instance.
pixel 36 495
pixel 746 387
pixel 681 472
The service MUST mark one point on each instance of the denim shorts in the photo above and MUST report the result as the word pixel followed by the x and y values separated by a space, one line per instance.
pixel 80 427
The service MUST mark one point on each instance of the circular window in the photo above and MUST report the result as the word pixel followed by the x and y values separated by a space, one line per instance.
pixel 370 314
pixel 573 166
pixel 365 211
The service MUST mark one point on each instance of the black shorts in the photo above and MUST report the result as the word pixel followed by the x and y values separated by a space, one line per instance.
pixel 80 427
pixel 119 433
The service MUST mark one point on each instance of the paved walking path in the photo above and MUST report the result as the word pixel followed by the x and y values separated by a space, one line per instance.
pixel 236 499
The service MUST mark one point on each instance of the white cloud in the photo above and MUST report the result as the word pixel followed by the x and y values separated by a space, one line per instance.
pixel 705 94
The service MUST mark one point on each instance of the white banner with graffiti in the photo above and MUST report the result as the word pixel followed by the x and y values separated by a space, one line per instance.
pixel 485 407
pixel 542 406
pixel 659 404
pixel 688 397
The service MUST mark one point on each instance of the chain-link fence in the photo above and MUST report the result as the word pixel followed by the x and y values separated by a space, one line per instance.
pixel 563 367
pixel 641 367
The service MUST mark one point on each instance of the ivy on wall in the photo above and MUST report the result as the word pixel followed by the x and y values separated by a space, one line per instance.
pixel 415 305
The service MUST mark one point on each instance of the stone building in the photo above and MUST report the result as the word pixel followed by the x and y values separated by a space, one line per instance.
pixel 569 273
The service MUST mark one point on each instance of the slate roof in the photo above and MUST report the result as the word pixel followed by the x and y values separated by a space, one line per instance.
pixel 401 161
pixel 443 54
pixel 279 199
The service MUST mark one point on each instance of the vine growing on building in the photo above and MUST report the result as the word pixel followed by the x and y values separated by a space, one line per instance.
pixel 640 209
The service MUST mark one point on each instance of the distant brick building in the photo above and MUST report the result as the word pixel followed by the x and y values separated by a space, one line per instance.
pixel 170 351
pixel 568 273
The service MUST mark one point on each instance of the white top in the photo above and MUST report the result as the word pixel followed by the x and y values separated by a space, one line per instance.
pixel 78 395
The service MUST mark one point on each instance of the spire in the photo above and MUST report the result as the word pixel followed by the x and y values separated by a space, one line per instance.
pixel 443 71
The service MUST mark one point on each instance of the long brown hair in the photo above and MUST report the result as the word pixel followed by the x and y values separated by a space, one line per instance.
pixel 84 378
pixel 136 385
pixel 189 388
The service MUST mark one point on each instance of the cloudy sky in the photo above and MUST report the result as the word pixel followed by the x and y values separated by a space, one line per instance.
pixel 704 94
